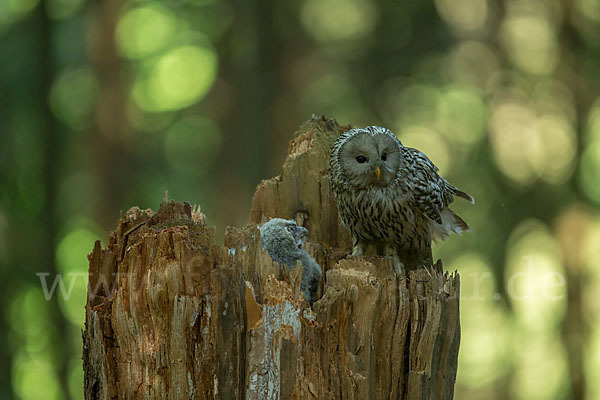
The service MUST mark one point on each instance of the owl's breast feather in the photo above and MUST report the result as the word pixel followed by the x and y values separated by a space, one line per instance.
pixel 383 214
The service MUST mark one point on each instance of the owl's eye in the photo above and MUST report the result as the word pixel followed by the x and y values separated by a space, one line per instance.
pixel 362 159
pixel 383 157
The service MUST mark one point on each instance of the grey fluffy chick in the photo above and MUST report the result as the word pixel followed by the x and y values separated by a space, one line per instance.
pixel 284 240
pixel 391 197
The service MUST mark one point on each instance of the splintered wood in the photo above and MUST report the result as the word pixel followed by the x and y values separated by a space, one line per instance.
pixel 171 314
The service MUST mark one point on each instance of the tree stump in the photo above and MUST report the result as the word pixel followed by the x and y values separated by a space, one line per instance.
pixel 171 314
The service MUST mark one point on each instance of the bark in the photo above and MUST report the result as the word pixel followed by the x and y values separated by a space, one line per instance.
pixel 173 314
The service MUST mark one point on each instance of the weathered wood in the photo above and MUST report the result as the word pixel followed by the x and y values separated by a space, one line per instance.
pixel 173 314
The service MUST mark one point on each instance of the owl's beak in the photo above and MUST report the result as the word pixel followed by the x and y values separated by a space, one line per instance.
pixel 378 173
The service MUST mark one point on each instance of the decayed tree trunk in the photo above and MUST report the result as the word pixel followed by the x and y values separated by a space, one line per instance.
pixel 172 314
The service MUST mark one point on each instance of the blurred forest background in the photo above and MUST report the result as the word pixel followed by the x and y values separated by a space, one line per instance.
pixel 105 104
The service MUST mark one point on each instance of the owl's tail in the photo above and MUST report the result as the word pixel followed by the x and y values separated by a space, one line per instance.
pixel 464 195
pixel 450 223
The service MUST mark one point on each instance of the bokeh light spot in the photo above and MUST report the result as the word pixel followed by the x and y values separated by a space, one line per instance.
pixel 590 171
pixel 192 145
pixel 541 370
pixel 28 313
pixel 417 104
pixel 338 20
pixel 179 78
pixel 592 133
pixel 145 30
pixel 484 324
pixel 72 264
pixel 76 379
pixel 34 334
pixel 463 15
pixel 535 283
pixel 535 280
pixel 527 145
pixel 13 10
pixel 73 96
pixel 555 98
pixel 590 254
pixel 474 64
pixel 592 362
pixel 589 8
pixel 35 379
pixel 529 38
pixel 558 147
pixel 463 116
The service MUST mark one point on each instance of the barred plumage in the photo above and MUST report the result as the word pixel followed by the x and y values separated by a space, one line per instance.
pixel 391 197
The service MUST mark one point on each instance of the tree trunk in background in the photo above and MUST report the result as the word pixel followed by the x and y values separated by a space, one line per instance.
pixel 111 126
pixel 171 314
pixel 52 140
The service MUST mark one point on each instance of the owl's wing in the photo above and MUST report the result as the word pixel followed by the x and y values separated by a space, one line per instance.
pixel 431 192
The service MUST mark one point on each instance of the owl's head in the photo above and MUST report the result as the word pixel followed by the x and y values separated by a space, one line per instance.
pixel 283 239
pixel 369 156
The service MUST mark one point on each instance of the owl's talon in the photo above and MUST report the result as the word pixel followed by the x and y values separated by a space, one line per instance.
pixel 398 265
pixel 390 251
pixel 358 250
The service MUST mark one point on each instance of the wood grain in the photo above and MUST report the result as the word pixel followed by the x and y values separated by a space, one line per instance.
pixel 172 314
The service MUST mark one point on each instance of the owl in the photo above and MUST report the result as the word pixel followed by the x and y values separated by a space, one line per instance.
pixel 284 240
pixel 390 197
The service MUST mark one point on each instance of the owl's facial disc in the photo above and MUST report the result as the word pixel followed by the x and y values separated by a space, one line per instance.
pixel 370 160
